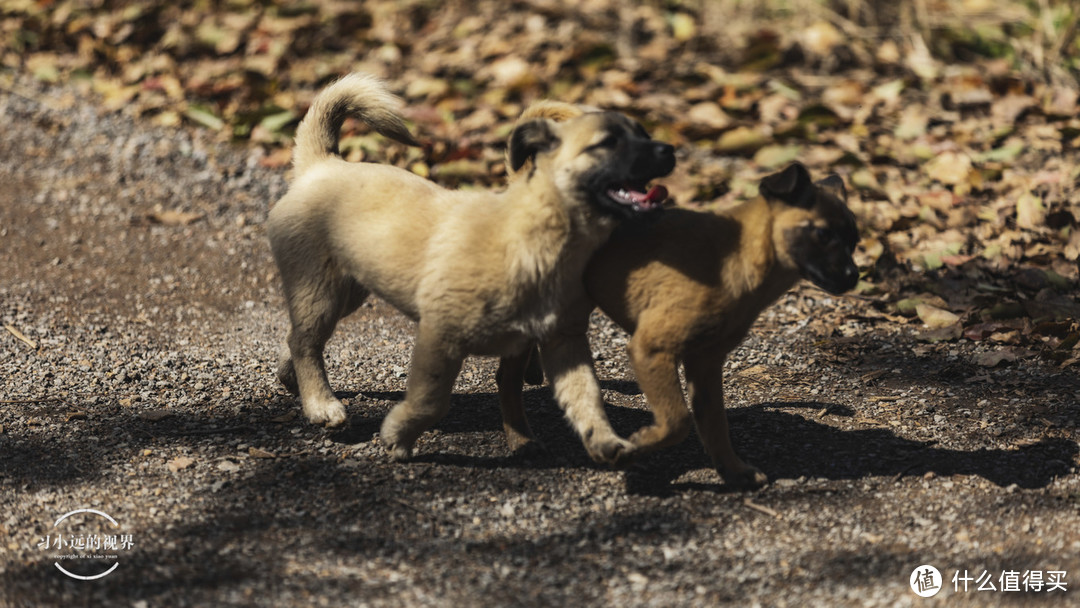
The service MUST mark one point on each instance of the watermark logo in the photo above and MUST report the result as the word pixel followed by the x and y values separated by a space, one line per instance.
pixel 79 543
pixel 925 581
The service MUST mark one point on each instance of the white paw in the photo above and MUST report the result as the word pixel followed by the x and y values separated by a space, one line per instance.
pixel 393 439
pixel 329 412
pixel 609 448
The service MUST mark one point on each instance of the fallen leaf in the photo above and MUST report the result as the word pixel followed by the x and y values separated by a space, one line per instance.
pixel 820 38
pixel 288 416
pixel 280 157
pixel 741 139
pixel 771 157
pixel 1030 212
pixel 708 118
pixel 683 26
pixel 179 463
pixel 934 317
pixel 993 358
pixel 982 331
pixel 949 167
pixel 259 453
pixel 204 117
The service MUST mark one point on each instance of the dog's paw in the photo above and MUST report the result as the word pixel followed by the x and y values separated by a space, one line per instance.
pixel 398 453
pixel 748 478
pixel 330 413
pixel 394 440
pixel 529 450
pixel 612 449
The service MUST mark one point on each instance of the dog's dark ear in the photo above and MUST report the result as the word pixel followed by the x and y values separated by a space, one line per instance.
pixel 531 138
pixel 792 185
pixel 834 185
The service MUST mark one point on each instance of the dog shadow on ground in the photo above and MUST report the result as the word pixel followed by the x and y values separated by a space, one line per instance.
pixel 768 435
pixel 788 446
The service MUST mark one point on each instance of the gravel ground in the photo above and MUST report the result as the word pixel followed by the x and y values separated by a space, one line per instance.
pixel 141 319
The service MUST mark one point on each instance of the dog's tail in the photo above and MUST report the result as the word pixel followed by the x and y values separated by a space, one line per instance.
pixel 359 95
pixel 559 111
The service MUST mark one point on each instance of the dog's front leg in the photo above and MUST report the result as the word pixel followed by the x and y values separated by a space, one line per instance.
pixel 427 394
pixel 509 378
pixel 704 375
pixel 568 363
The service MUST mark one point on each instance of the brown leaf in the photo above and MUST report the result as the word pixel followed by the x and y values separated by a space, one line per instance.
pixel 1006 110
pixel 982 331
pixel 179 463
pixel 259 453
pixel 276 159
pixel 708 116
pixel 997 357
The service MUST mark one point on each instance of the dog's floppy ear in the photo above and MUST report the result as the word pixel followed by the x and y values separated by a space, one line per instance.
pixel 834 185
pixel 531 138
pixel 792 185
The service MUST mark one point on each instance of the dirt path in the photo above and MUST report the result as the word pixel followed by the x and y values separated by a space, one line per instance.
pixel 141 318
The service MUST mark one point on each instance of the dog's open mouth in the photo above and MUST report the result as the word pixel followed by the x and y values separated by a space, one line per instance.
pixel 636 197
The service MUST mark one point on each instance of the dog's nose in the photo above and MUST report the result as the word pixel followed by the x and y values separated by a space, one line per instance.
pixel 664 154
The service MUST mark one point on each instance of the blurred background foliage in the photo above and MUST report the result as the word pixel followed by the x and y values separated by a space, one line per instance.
pixel 954 123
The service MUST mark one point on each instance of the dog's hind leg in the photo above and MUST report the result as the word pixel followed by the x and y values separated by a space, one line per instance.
pixel 317 301
pixel 704 375
pixel 427 394
pixel 509 378
pixel 286 371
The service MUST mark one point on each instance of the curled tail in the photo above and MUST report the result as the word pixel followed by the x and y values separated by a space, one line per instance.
pixel 359 95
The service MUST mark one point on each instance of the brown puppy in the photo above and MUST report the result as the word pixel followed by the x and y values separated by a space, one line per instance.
pixel 687 285
pixel 481 272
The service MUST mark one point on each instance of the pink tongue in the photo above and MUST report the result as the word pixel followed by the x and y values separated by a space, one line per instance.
pixel 656 193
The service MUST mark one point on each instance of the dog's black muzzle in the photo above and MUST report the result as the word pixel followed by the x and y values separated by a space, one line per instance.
pixel 658 161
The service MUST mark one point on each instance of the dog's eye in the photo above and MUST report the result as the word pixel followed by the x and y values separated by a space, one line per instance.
pixel 822 234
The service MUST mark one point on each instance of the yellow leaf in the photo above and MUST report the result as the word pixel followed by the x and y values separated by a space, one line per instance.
pixel 1030 212
pixel 934 317
pixel 949 167
pixel 741 139
pixel 683 27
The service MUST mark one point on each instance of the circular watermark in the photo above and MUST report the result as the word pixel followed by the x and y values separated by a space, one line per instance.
pixel 85 544
pixel 925 581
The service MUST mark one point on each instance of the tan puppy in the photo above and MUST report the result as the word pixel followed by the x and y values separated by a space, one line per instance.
pixel 481 272
pixel 687 285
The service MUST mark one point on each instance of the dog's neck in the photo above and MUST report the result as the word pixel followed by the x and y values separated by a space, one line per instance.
pixel 561 237
pixel 758 275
